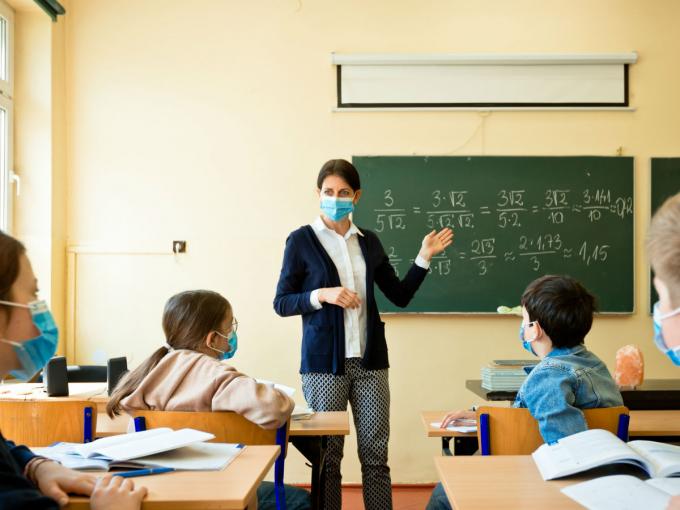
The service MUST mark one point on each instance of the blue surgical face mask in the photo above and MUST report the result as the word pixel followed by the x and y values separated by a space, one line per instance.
pixel 525 343
pixel 34 354
pixel 233 345
pixel 674 352
pixel 336 208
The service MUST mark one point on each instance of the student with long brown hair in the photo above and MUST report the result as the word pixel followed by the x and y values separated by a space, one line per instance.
pixel 188 372
pixel 28 338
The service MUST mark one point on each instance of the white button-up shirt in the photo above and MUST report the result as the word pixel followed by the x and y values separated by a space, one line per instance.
pixel 345 253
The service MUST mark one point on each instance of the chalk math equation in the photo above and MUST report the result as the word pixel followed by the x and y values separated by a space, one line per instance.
pixel 516 229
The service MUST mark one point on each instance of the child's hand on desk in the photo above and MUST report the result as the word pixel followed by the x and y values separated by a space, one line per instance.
pixel 451 417
pixel 674 503
pixel 56 481
pixel 116 493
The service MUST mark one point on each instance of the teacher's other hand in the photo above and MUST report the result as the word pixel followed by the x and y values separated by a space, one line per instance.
pixel 436 242
pixel 339 296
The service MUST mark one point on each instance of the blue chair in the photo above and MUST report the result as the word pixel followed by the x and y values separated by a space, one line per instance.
pixel 513 431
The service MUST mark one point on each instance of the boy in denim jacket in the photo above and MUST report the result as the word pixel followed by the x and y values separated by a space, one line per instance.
pixel 557 313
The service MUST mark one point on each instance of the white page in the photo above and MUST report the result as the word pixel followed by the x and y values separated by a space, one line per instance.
pixel 70 461
pixel 456 428
pixel 91 449
pixel 195 457
pixel 618 492
pixel 582 451
pixel 94 389
pixel 155 444
pixel 664 458
pixel 281 387
pixel 668 485
pixel 302 412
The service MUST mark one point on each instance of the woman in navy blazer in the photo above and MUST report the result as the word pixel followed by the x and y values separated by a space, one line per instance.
pixel 328 275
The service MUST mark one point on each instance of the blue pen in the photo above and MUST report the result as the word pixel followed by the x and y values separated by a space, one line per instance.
pixel 144 472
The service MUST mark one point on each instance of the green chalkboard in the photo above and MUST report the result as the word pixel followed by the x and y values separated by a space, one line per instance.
pixel 665 183
pixel 515 219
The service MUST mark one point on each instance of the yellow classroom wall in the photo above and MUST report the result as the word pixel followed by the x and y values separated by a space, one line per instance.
pixel 207 121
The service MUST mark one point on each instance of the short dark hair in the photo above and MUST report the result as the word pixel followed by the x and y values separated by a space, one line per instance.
pixel 562 306
pixel 341 168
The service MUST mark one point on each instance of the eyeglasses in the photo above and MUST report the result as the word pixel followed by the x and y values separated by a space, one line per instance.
pixel 234 326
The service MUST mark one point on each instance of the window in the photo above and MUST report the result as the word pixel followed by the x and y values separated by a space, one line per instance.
pixel 6 110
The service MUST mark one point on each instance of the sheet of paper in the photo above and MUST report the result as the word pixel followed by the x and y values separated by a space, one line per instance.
pixel 460 426
pixel 281 387
pixel 196 457
pixel 618 492
pixel 302 412
pixel 668 485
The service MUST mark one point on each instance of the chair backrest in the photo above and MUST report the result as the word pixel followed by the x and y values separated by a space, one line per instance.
pixel 227 426
pixel 44 422
pixel 513 431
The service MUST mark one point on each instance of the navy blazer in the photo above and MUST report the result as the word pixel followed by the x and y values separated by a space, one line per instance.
pixel 307 267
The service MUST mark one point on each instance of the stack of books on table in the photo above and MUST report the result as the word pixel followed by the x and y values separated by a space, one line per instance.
pixel 506 375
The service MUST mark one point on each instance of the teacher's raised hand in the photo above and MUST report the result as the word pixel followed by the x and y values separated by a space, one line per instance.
pixel 435 242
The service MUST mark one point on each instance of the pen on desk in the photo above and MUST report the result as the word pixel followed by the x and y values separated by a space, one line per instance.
pixel 144 472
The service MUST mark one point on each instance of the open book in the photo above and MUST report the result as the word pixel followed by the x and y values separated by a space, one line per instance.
pixel 162 447
pixel 596 447
pixel 624 492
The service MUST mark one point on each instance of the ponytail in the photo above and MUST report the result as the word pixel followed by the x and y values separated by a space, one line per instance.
pixel 130 381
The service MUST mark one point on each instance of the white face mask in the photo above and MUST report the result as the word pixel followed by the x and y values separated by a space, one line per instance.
pixel 660 342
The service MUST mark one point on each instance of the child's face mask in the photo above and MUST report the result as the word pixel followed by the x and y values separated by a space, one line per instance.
pixel 33 354
pixel 672 353
pixel 233 345
pixel 526 343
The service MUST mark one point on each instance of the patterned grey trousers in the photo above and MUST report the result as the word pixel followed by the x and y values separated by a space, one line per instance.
pixel 368 393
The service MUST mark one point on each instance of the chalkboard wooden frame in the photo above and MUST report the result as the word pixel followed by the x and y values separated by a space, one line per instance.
pixel 410 177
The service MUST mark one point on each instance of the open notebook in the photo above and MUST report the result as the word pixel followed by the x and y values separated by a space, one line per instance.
pixel 596 447
pixel 161 447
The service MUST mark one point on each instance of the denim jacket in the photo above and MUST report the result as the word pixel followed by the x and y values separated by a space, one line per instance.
pixel 564 382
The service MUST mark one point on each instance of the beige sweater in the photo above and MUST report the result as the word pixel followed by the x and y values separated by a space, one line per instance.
pixel 187 380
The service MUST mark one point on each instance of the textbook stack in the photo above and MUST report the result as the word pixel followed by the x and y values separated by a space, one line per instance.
pixel 505 375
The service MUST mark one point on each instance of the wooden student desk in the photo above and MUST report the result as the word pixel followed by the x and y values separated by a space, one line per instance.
pixel 94 392
pixel 233 488
pixel 310 437
pixel 651 425
pixel 501 481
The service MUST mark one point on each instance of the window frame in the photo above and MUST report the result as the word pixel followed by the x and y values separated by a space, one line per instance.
pixel 7 176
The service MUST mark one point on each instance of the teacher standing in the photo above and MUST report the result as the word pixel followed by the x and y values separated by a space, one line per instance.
pixel 328 275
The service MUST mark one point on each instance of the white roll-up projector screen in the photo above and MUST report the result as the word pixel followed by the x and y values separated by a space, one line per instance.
pixel 486 82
